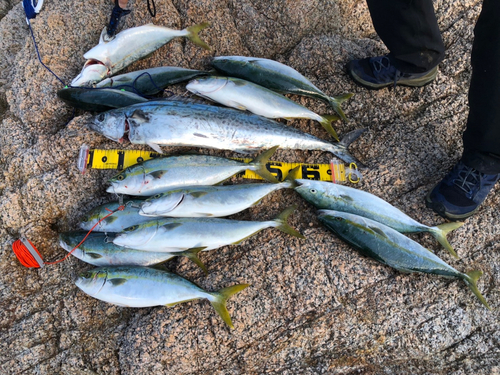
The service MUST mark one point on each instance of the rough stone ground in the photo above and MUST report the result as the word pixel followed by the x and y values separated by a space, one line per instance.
pixel 315 305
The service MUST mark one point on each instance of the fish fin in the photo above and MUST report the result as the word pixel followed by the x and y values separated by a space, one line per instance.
pixel 193 35
pixel 336 101
pixel 220 300
pixel 139 116
pixel 155 147
pixel 378 231
pixel 470 279
pixel 326 122
pixel 440 232
pixel 344 144
pixel 346 198
pixel 171 226
pixel 157 174
pixel 103 38
pixel 192 255
pixel 117 281
pixel 259 165
pixel 282 219
pixel 198 194
pixel 110 219
pixel 94 255
pixel 293 174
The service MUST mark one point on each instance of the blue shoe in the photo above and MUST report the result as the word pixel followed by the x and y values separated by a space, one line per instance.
pixel 461 192
pixel 378 72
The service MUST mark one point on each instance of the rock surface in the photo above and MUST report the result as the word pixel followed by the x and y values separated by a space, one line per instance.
pixel 315 305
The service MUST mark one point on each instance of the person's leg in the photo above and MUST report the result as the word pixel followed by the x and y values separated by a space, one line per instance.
pixel 410 31
pixel 461 192
pixel 117 13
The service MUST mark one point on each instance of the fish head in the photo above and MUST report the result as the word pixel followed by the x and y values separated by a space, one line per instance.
pixel 112 124
pixel 136 236
pixel 91 282
pixel 91 219
pixel 93 72
pixel 161 204
pixel 129 181
pixel 68 241
pixel 206 85
pixel 318 193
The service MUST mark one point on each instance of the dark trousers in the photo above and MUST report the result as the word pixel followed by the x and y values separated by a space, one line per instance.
pixel 410 31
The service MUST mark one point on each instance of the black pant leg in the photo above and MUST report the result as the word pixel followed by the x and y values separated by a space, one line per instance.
pixel 482 136
pixel 410 31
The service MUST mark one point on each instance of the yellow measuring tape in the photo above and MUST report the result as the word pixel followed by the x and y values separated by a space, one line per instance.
pixel 121 159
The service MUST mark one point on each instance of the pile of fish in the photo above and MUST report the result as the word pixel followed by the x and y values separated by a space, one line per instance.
pixel 176 210
pixel 180 217
pixel 375 228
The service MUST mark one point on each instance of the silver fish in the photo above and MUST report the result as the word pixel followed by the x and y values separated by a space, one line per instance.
pixel 392 248
pixel 180 123
pixel 99 250
pixel 128 46
pixel 179 234
pixel 145 287
pixel 337 197
pixel 275 76
pixel 244 95
pixel 210 201
pixel 118 221
pixel 158 175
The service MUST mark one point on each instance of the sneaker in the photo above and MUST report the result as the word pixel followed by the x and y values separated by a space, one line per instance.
pixel 461 192
pixel 116 14
pixel 378 72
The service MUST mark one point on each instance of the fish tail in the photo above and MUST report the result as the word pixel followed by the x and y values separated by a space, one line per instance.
pixel 220 299
pixel 282 222
pixel 193 34
pixel 440 232
pixel 470 279
pixel 293 174
pixel 259 165
pixel 192 255
pixel 326 122
pixel 340 150
pixel 336 101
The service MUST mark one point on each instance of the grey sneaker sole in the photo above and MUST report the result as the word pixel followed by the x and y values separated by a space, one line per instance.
pixel 414 82
pixel 441 210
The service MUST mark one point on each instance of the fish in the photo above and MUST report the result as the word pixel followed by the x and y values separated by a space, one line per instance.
pixel 129 286
pixel 325 195
pixel 180 234
pixel 98 100
pixel 277 77
pixel 118 221
pixel 150 81
pixel 211 201
pixel 181 123
pixel 157 175
pixel 128 46
pixel 244 95
pixel 99 250
pixel 392 248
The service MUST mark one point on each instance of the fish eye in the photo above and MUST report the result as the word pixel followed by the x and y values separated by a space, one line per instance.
pixel 338 218
pixel 157 196
pixel 120 177
pixel 132 228
pixel 313 191
pixel 101 117
pixel 86 275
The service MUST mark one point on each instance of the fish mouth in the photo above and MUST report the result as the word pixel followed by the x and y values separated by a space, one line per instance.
pixel 126 132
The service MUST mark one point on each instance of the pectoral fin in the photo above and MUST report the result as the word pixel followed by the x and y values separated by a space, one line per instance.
pixel 117 281
pixel 155 147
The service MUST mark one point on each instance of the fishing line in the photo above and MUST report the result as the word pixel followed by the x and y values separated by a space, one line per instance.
pixel 30 257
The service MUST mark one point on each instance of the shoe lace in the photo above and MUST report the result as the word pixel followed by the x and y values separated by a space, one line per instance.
pixel 468 179
pixel 383 65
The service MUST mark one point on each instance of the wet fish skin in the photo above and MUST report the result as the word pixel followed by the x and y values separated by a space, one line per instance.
pixel 128 46
pixel 245 95
pixel 325 195
pixel 160 174
pixel 179 234
pixel 275 76
pixel 210 201
pixel 180 123
pixel 118 221
pixel 392 248
pixel 147 287
pixel 150 81
pixel 98 100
